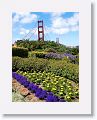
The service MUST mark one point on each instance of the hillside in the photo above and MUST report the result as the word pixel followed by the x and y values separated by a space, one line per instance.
pixel 48 46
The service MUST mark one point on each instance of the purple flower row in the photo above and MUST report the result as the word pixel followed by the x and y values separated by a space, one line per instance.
pixel 39 92
pixel 59 56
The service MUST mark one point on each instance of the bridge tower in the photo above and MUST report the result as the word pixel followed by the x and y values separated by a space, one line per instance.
pixel 40 30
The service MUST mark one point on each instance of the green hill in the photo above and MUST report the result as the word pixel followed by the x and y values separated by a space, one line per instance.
pixel 48 46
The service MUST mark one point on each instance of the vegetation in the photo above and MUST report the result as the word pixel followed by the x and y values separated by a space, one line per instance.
pixel 60 86
pixel 53 67
pixel 58 67
pixel 48 46
pixel 20 52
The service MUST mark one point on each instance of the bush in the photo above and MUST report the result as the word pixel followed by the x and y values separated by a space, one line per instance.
pixel 50 50
pixel 20 52
pixel 71 71
pixel 61 68
pixel 65 69
pixel 37 54
pixel 40 55
pixel 15 62
pixel 29 64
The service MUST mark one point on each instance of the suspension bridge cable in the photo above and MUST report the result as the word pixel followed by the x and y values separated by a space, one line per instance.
pixel 33 33
pixel 29 32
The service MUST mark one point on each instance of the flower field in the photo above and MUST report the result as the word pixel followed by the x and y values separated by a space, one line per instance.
pixel 39 92
pixel 45 75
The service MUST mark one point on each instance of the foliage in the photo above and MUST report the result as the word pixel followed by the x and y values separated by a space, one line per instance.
pixel 59 67
pixel 20 52
pixel 57 85
pixel 73 51
pixel 61 48
pixel 64 68
pixel 49 46
pixel 50 50
pixel 29 64
pixel 15 63
pixel 38 54
pixel 71 58
pixel 50 70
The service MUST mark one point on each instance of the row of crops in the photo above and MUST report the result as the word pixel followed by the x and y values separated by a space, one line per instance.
pixel 59 86
pixel 39 92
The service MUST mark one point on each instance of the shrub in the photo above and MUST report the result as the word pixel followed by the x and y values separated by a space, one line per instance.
pixel 50 50
pixel 71 71
pixel 29 64
pixel 20 52
pixel 58 67
pixel 40 55
pixel 15 62
pixel 37 54
pixel 31 55
pixel 64 68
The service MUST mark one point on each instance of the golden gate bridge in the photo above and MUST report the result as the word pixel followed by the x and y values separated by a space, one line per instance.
pixel 42 32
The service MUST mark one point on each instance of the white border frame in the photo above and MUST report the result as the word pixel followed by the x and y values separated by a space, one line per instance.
pixel 84 9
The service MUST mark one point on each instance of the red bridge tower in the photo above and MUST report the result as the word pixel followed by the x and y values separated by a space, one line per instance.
pixel 40 31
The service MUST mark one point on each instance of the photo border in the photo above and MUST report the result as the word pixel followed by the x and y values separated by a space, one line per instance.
pixel 84 104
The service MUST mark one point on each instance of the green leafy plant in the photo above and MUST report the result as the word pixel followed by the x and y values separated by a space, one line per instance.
pixel 50 50
pixel 20 52
pixel 29 64
pixel 61 68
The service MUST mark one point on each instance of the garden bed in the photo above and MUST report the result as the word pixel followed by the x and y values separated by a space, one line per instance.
pixel 44 83
pixel 22 94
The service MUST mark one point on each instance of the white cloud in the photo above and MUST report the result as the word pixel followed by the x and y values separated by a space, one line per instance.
pixel 60 31
pixel 62 25
pixel 59 21
pixel 73 20
pixel 28 18
pixel 47 30
pixel 24 17
pixel 56 14
pixel 23 31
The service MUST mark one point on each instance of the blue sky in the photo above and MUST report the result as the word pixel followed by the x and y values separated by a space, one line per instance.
pixel 62 25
